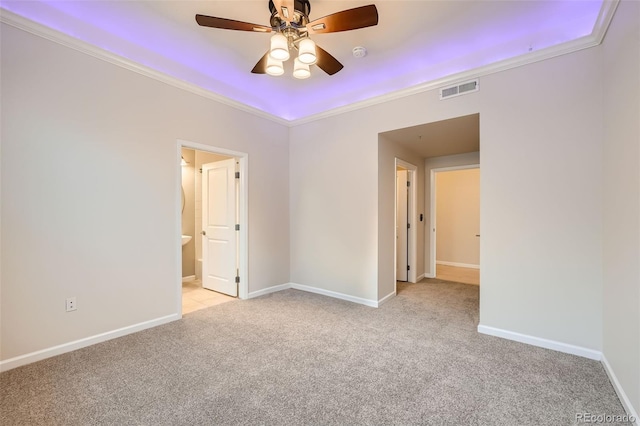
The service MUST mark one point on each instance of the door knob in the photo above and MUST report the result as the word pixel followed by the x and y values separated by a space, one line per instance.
pixel 204 232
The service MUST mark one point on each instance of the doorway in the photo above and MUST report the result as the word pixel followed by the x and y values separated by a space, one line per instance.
pixel 455 223
pixel 213 214
pixel 405 221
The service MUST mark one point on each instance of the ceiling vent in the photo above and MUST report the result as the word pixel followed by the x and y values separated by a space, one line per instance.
pixel 459 89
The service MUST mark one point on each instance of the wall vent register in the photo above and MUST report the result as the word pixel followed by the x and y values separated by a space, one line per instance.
pixel 459 89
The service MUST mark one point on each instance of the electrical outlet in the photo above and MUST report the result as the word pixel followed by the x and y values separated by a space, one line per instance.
pixel 71 304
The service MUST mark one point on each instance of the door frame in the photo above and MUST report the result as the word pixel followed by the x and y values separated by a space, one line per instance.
pixel 243 214
pixel 412 172
pixel 432 212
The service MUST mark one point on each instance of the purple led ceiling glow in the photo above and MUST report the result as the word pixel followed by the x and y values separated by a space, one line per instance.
pixel 164 36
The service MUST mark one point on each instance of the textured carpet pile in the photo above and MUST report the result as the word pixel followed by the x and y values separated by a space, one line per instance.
pixel 299 358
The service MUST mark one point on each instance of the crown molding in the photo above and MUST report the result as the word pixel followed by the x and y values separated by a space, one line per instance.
pixel 50 34
pixel 594 39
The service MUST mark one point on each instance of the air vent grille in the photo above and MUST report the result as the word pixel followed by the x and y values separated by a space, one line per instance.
pixel 459 89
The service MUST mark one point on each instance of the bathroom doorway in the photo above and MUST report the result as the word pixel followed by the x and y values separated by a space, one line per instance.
pixel 214 257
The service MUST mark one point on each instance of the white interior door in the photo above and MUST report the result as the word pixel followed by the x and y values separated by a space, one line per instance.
pixel 402 218
pixel 219 237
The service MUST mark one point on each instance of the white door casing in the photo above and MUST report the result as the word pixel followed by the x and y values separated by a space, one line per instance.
pixel 412 236
pixel 219 218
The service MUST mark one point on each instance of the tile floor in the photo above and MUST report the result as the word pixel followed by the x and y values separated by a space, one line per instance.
pixel 194 297
pixel 457 274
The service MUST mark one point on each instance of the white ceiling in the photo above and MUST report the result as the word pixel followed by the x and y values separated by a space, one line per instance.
pixel 458 135
pixel 414 44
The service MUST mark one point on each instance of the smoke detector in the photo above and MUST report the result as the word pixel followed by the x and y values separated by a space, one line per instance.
pixel 359 52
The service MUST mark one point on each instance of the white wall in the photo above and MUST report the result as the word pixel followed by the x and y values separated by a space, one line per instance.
pixel 90 180
pixel 621 199
pixel 541 217
pixel 458 217
pixel 541 212
pixel 335 226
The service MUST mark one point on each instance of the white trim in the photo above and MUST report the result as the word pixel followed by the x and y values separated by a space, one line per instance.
pixel 624 399
pixel 29 358
pixel 269 290
pixel 458 264
pixel 316 290
pixel 431 260
pixel 188 278
pixel 594 39
pixel 243 240
pixel 386 298
pixel 335 295
pixel 420 277
pixel 540 342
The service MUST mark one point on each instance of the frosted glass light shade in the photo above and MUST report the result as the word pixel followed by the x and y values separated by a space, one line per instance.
pixel 274 67
pixel 279 47
pixel 300 70
pixel 307 49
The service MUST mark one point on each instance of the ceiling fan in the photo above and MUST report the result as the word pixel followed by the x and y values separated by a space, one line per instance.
pixel 291 27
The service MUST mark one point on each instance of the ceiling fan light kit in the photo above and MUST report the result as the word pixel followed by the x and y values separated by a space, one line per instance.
pixel 307 51
pixel 279 47
pixel 300 70
pixel 274 67
pixel 291 27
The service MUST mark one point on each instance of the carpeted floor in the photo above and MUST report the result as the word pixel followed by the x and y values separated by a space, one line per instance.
pixel 294 358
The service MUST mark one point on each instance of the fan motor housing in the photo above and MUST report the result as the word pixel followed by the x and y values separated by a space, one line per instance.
pixel 300 16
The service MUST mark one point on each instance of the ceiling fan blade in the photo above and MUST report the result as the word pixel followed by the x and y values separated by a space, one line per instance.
pixel 285 9
pixel 230 24
pixel 326 62
pixel 261 66
pixel 351 19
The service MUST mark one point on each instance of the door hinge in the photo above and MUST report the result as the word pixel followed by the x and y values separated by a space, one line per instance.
pixel 408 268
pixel 408 183
pixel 237 279
pixel 408 225
pixel 237 175
pixel 237 226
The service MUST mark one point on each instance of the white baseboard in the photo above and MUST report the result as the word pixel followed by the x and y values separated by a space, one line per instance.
pixel 268 290
pixel 624 399
pixel 188 278
pixel 81 343
pixel 457 264
pixel 322 291
pixel 540 342
pixel 387 298
pixel 420 277
pixel 336 295
pixel 429 275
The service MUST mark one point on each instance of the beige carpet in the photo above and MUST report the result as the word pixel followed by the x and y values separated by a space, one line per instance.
pixel 299 358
